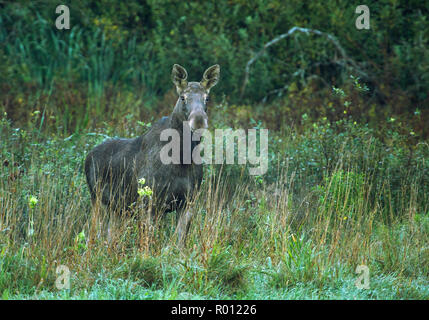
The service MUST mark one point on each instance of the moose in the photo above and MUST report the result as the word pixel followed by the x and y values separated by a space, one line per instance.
pixel 114 168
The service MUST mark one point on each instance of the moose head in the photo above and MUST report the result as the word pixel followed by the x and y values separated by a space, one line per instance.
pixel 191 105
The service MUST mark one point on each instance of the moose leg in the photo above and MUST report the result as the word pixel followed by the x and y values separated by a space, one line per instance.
pixel 183 226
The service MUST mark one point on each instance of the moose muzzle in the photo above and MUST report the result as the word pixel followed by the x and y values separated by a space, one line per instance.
pixel 198 120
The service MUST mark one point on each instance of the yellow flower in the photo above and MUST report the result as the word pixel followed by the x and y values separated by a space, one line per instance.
pixel 146 191
pixel 32 201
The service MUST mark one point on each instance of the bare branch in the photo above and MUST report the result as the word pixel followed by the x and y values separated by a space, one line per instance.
pixel 328 36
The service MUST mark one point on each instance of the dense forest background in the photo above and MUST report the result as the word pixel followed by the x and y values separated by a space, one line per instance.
pixel 131 46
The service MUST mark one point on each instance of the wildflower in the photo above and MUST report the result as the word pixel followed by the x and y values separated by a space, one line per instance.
pixel 32 201
pixel 80 241
pixel 146 191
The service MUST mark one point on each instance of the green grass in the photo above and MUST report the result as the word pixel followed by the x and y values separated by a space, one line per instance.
pixel 347 184
pixel 382 287
pixel 292 234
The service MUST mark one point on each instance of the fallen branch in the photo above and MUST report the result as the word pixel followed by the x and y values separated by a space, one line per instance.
pixel 328 36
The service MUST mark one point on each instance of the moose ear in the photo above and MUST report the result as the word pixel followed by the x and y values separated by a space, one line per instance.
pixel 210 77
pixel 179 76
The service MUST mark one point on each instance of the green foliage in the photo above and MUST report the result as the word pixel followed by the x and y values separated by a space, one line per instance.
pixel 133 45
pixel 80 242
pixel 229 274
pixel 149 271
pixel 348 154
pixel 19 274
pixel 343 191
pixel 298 265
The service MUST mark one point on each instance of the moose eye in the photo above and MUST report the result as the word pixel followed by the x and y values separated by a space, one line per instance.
pixel 183 98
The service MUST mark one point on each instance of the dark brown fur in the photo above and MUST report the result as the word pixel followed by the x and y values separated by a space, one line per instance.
pixel 113 168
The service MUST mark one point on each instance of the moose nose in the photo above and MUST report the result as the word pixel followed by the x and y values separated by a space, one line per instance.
pixel 198 120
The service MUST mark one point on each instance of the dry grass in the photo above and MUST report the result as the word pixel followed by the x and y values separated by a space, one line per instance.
pixel 245 238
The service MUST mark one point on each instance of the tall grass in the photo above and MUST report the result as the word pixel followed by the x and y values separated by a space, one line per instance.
pixel 261 236
pixel 49 56
pixel 40 61
pixel 337 193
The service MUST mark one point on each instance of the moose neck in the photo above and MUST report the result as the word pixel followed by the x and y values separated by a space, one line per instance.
pixel 178 117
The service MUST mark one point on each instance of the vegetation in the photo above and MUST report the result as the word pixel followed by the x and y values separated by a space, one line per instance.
pixel 348 177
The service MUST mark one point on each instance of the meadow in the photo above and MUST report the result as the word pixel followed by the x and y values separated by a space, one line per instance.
pixel 347 182
pixel 298 233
